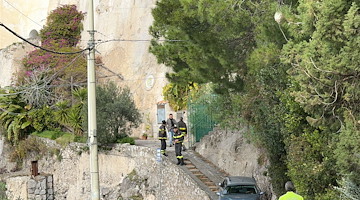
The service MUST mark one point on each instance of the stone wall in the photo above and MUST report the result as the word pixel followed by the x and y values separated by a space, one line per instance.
pixel 40 188
pixel 126 171
pixel 233 153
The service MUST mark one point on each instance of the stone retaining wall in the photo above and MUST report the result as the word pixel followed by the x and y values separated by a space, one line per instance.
pixel 40 188
pixel 125 172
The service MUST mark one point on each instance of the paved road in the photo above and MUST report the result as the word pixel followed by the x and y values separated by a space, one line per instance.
pixel 205 174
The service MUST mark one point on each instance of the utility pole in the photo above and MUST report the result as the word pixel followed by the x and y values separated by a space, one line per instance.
pixel 91 84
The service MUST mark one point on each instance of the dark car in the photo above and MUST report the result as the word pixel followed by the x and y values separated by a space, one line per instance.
pixel 239 187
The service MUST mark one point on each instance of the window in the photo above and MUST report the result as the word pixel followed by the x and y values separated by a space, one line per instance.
pixel 241 189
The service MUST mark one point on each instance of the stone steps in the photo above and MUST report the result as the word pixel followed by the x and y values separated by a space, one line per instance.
pixel 201 176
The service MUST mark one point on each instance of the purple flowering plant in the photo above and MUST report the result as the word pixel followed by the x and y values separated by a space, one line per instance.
pixel 61 33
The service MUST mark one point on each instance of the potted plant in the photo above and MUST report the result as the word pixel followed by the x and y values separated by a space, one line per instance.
pixel 144 136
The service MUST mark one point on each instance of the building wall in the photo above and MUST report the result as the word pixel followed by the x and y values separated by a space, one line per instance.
pixel 125 20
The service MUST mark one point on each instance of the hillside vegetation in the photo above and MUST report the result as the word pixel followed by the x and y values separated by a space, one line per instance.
pixel 48 97
pixel 294 81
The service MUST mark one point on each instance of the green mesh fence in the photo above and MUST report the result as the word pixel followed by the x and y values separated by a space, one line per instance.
pixel 200 116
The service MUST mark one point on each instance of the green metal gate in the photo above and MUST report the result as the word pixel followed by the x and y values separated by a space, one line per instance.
pixel 200 117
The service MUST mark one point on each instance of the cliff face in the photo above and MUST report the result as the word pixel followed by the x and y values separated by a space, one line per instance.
pixel 123 43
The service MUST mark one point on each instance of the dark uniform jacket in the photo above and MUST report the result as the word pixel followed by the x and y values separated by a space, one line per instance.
pixel 178 136
pixel 162 133
pixel 182 127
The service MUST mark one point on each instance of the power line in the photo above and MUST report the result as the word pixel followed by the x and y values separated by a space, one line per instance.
pixel 136 40
pixel 109 70
pixel 22 13
pixel 24 89
pixel 48 50
pixel 102 34
pixel 63 68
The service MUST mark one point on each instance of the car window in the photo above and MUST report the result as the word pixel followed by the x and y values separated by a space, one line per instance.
pixel 241 189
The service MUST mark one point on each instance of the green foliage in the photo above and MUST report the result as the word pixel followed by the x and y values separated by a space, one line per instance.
pixel 324 76
pixel 63 25
pixel 349 190
pixel 49 134
pixel 65 139
pixel 212 52
pixel 71 116
pixel 298 85
pixel 129 140
pixel 13 115
pixel 3 191
pixel 80 139
pixel 43 69
pixel 116 113
pixel 30 147
pixel 324 67
pixel 347 150
pixel 43 119
pixel 310 163
pixel 30 107
pixel 220 40
pixel 178 94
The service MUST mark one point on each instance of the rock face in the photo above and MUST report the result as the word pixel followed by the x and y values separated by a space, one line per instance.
pixel 125 172
pixel 231 152
pixel 10 61
pixel 123 40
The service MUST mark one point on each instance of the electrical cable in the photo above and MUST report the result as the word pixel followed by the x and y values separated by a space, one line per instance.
pixel 63 68
pixel 48 50
pixel 135 40
pixel 24 89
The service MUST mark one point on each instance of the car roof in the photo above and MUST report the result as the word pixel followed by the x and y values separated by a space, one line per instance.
pixel 240 180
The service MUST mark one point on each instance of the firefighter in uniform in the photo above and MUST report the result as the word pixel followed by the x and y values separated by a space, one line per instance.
pixel 178 139
pixel 182 127
pixel 163 137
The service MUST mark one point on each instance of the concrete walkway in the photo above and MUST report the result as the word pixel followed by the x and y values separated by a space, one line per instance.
pixel 204 173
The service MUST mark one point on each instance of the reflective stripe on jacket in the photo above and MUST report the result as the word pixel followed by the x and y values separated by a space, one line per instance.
pixel 182 127
pixel 178 136
pixel 162 133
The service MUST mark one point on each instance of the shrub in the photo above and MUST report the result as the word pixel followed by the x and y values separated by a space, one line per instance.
pixel 116 113
pixel 65 139
pixel 129 140
pixel 80 139
pixel 31 146
pixel 3 191
pixel 49 134
pixel 63 25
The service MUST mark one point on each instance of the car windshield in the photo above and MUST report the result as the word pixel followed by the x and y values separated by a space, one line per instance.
pixel 241 189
